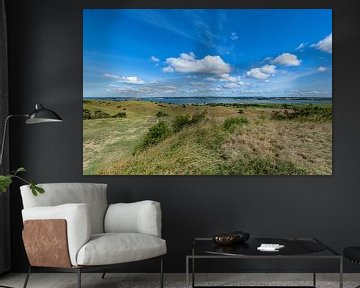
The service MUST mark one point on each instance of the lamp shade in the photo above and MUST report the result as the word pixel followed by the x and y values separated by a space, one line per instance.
pixel 42 115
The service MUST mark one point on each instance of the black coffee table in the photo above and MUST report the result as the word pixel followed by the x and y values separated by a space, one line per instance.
pixel 295 248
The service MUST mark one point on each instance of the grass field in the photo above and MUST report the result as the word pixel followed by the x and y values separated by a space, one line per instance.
pixel 148 138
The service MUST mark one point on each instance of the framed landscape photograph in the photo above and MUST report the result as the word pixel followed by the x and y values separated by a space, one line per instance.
pixel 207 92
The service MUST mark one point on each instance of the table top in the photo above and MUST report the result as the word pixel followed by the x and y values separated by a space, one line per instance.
pixel 293 247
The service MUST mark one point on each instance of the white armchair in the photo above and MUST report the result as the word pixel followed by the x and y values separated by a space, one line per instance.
pixel 72 228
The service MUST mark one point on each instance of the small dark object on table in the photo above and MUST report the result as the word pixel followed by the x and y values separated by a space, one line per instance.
pixel 231 238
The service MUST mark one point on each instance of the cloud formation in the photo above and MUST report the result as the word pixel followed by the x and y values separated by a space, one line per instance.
pixel 262 73
pixel 154 59
pixel 325 44
pixel 111 76
pixel 234 36
pixel 287 59
pixel 132 80
pixel 124 79
pixel 322 69
pixel 187 63
pixel 301 46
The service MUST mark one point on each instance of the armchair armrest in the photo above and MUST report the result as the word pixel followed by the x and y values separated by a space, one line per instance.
pixel 138 217
pixel 78 225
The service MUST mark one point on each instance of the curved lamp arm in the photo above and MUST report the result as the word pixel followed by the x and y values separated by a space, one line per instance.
pixel 39 115
pixel 4 134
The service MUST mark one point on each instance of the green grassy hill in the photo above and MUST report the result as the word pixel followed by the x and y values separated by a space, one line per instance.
pixel 147 138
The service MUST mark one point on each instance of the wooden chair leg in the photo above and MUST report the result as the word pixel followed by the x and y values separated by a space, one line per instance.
pixel 27 277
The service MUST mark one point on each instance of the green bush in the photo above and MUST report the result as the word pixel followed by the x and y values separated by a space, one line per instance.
pixel 184 120
pixel 196 117
pixel 161 114
pixel 308 112
pixel 257 165
pixel 98 114
pixel 156 133
pixel 87 114
pixel 180 122
pixel 231 123
pixel 119 115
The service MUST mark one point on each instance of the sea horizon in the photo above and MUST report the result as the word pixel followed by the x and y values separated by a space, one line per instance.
pixel 203 100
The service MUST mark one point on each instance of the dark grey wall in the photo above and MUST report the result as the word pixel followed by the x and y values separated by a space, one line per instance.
pixel 45 43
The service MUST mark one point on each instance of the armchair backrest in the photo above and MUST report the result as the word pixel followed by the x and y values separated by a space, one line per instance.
pixel 92 194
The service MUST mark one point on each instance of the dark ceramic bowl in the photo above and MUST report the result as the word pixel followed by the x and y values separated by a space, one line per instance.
pixel 241 236
pixel 225 239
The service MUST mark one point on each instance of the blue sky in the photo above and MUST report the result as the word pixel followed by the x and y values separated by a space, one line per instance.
pixel 210 52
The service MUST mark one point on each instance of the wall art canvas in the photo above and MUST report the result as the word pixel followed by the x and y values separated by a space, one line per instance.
pixel 207 92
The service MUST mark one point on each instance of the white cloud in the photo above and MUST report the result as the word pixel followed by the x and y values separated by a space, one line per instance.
pixel 217 89
pixel 125 79
pixel 168 69
pixel 322 69
pixel 231 85
pixel 227 77
pixel 210 78
pixel 132 80
pixel 325 44
pixel 154 59
pixel 262 73
pixel 187 63
pixel 268 69
pixel 301 46
pixel 287 59
pixel 111 76
pixel 197 83
pixel 234 36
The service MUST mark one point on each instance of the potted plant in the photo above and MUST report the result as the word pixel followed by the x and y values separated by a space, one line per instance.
pixel 6 180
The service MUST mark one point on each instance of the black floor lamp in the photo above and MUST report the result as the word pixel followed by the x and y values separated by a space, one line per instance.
pixel 39 115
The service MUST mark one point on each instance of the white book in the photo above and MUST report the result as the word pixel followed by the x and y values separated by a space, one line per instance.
pixel 270 247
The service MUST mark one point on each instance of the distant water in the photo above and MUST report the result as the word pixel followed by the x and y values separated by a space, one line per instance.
pixel 224 100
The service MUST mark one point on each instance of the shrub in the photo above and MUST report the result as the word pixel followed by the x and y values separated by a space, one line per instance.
pixel 231 123
pixel 86 114
pixel 156 133
pixel 308 112
pixel 161 114
pixel 241 111
pixel 184 120
pixel 257 165
pixel 180 122
pixel 196 117
pixel 100 115
pixel 119 115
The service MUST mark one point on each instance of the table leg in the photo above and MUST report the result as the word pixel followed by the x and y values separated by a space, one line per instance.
pixel 193 272
pixel 187 272
pixel 314 271
pixel 341 273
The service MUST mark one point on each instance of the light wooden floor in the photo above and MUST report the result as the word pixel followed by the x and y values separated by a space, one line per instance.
pixel 113 280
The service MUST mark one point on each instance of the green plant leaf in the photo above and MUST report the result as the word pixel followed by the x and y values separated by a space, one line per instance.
pixel 36 189
pixel 20 169
pixel 5 182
